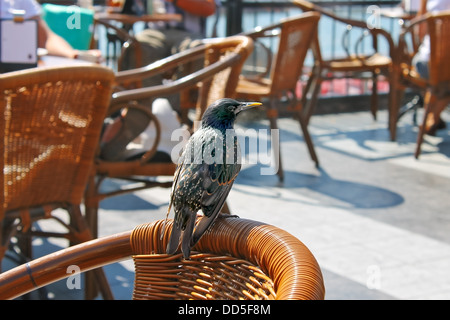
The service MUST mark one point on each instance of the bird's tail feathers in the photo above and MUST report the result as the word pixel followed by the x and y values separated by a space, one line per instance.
pixel 187 237
pixel 201 228
pixel 165 221
pixel 174 240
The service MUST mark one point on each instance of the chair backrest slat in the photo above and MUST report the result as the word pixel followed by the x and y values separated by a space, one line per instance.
pixel 291 53
pixel 53 119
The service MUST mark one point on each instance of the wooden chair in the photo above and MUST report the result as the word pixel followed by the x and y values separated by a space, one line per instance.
pixel 235 259
pixel 435 89
pixel 222 60
pixel 115 35
pixel 52 123
pixel 295 36
pixel 119 31
pixel 354 65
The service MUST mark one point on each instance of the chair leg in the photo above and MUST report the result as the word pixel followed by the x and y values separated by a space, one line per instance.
pixel 428 104
pixel 92 277
pixel 272 114
pixel 4 241
pixel 374 97
pixel 96 279
pixel 311 94
pixel 395 96
pixel 91 203
pixel 25 244
pixel 307 137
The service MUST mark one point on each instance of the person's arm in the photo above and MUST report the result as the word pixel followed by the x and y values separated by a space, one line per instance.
pixel 58 46
pixel 54 44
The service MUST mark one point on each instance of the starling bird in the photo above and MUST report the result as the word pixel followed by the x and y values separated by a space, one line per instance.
pixel 205 173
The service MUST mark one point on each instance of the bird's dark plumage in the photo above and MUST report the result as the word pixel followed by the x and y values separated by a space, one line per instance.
pixel 206 170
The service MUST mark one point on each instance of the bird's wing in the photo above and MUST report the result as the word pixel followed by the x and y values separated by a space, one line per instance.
pixel 186 237
pixel 178 172
pixel 217 185
pixel 174 240
pixel 176 176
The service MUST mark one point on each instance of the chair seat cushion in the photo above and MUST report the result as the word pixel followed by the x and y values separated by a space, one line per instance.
pixel 248 87
pixel 354 63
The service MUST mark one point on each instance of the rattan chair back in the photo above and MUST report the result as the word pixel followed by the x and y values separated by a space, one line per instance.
pixel 52 123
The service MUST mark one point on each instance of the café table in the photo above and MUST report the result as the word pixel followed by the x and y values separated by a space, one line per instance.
pixel 53 61
pixel 132 19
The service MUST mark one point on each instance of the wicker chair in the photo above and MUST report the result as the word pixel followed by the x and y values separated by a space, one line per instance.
pixel 437 87
pixel 295 36
pixel 235 259
pixel 354 65
pixel 223 59
pixel 53 119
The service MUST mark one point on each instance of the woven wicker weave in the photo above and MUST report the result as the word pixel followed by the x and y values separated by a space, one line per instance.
pixel 203 277
pixel 259 260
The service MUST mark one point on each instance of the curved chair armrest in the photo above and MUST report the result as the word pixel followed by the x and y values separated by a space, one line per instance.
pixel 53 267
pixel 173 61
pixel 387 37
pixel 174 86
pixel 121 33
pixel 159 66
pixel 291 267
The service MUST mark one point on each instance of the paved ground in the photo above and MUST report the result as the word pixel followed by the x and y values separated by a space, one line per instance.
pixel 376 219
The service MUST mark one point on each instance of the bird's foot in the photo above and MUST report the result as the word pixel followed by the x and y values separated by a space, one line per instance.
pixel 227 215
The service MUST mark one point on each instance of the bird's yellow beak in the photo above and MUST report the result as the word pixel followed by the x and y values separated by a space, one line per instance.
pixel 248 105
